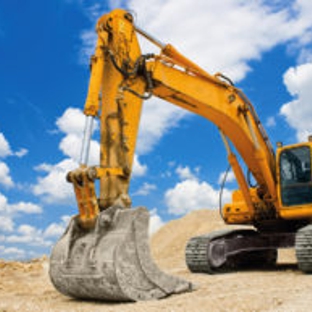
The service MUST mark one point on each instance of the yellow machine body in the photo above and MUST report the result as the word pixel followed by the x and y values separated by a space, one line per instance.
pixel 121 78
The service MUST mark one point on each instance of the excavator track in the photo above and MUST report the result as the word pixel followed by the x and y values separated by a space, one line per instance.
pixel 197 253
pixel 303 248
pixel 232 250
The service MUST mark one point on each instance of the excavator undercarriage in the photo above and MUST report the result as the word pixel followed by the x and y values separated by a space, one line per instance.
pixel 238 250
pixel 234 250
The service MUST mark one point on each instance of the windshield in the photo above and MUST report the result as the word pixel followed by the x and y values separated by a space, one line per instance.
pixel 295 171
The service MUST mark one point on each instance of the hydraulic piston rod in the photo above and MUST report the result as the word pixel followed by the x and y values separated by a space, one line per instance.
pixel 84 156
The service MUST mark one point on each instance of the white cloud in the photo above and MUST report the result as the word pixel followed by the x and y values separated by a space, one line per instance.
pixel 185 173
pixel 44 167
pixel 145 189
pixel 5 177
pixel 191 195
pixel 21 153
pixel 271 122
pixel 28 208
pixel 54 230
pixel 6 224
pixel 29 235
pixel 27 230
pixel 57 229
pixel 10 211
pixel 12 252
pixel 70 145
pixel 155 222
pixel 305 9
pixel 7 209
pixel 94 11
pixel 298 112
pixel 72 121
pixel 5 149
pixel 245 31
pixel 157 119
pixel 3 203
pixel 138 169
pixel 230 177
pixel 53 188
pixel 88 38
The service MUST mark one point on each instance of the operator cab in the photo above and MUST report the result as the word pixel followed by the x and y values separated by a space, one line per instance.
pixel 295 175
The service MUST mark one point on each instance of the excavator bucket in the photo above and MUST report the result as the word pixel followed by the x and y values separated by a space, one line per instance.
pixel 112 261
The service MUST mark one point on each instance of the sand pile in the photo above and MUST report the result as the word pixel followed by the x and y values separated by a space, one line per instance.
pixel 7 267
pixel 168 244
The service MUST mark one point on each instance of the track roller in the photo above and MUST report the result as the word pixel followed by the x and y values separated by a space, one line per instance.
pixel 304 249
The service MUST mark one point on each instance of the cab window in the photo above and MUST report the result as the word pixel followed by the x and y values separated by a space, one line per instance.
pixel 295 176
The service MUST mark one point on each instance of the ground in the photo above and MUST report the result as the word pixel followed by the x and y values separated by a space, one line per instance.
pixel 25 286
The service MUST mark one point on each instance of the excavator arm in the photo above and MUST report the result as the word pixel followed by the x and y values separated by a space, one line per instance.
pixel 123 77
pixel 116 59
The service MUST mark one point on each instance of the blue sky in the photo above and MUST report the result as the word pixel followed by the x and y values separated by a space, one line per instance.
pixel 264 46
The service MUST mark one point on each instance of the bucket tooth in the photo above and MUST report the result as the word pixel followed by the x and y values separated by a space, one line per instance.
pixel 112 261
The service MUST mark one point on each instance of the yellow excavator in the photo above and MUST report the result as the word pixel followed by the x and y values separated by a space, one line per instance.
pixel 104 252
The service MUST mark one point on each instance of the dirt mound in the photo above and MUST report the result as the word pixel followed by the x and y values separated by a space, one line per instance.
pixel 7 267
pixel 25 286
pixel 169 242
